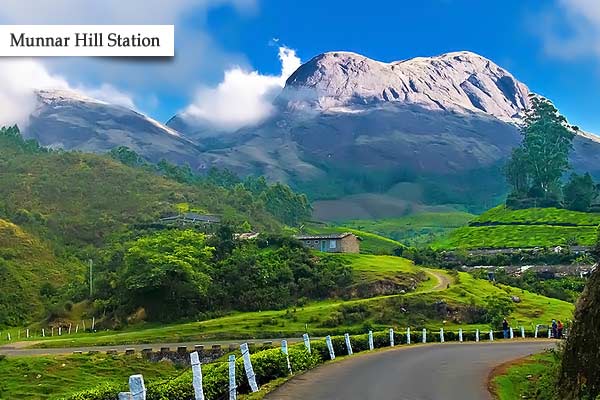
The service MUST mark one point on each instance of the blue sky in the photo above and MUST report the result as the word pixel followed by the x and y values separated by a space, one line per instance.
pixel 553 46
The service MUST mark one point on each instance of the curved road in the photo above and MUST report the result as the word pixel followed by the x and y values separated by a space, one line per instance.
pixel 422 372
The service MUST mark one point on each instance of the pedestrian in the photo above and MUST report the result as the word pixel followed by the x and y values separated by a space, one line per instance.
pixel 560 328
pixel 554 329
pixel 505 328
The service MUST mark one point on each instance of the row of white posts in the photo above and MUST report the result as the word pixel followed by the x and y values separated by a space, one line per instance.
pixel 59 331
pixel 137 389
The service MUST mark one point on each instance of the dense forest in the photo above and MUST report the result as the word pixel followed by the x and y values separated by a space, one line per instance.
pixel 59 209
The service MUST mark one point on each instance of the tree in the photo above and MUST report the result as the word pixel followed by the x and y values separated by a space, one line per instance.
pixel 498 308
pixel 285 205
pixel 579 192
pixel 536 167
pixel 167 274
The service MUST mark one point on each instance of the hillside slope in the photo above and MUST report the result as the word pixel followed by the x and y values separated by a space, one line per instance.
pixel 348 125
pixel 29 273
pixel 501 227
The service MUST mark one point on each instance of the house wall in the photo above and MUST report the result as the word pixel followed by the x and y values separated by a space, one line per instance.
pixel 350 244
pixel 315 244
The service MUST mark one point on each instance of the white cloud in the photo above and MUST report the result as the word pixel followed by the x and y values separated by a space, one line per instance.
pixel 243 97
pixel 571 30
pixel 19 80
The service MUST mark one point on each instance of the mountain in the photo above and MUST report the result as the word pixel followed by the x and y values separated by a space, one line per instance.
pixel 68 120
pixel 369 139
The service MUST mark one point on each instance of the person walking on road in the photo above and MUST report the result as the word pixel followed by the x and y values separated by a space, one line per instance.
pixel 554 329
pixel 505 328
pixel 559 329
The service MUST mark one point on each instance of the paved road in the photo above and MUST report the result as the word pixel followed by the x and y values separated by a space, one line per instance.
pixel 429 372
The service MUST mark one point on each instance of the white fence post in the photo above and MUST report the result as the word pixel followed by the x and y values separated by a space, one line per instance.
pixel 537 327
pixel 522 332
pixel 460 336
pixel 93 323
pixel 441 335
pixel 330 347
pixel 70 325
pixel 424 337
pixel 284 349
pixel 232 384
pixel 27 333
pixel 60 331
pixel 137 387
pixel 491 335
pixel 512 333
pixel 8 336
pixel 408 335
pixel 43 332
pixel 77 328
pixel 549 333
pixel 83 322
pixel 391 337
pixel 197 376
pixel 348 344
pixel 477 335
pixel 248 367
pixel 371 346
pixel 307 342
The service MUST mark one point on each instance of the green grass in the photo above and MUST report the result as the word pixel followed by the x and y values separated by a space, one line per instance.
pixel 540 216
pixel 535 227
pixel 516 236
pixel 377 313
pixel 413 230
pixel 54 377
pixel 521 380
pixel 371 243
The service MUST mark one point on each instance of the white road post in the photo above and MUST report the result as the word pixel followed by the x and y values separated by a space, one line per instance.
pixel 93 323
pixel 441 335
pixel 137 387
pixel 407 335
pixel 70 325
pixel 60 331
pixel 43 332
pixel 284 350
pixel 391 337
pixel 549 333
pixel 8 336
pixel 197 376
pixel 348 344
pixel 83 322
pixel 248 367
pixel 330 347
pixel 537 327
pixel 460 336
pixel 371 346
pixel 512 333
pixel 477 335
pixel 307 342
pixel 52 331
pixel 424 336
pixel 491 335
pixel 27 333
pixel 232 384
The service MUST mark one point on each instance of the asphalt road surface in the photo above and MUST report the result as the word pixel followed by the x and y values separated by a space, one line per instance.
pixel 423 372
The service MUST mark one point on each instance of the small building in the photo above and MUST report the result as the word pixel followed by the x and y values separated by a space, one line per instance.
pixel 334 243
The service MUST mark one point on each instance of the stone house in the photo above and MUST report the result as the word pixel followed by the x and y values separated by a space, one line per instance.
pixel 332 243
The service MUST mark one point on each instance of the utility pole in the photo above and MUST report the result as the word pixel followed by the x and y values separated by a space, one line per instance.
pixel 91 263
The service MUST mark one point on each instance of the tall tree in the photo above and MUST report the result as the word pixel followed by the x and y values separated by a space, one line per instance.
pixel 543 156
pixel 579 192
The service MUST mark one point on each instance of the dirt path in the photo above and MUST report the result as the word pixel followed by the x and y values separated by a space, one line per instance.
pixel 443 280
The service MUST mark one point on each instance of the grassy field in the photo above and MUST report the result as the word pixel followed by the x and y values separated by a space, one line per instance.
pixel 372 243
pixel 541 216
pixel 415 308
pixel 535 227
pixel 517 236
pixel 53 377
pixel 413 230
pixel 525 378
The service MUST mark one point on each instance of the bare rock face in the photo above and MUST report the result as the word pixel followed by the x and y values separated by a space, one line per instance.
pixel 68 120
pixel 458 82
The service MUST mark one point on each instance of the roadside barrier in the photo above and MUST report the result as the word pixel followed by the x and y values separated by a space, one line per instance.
pixel 318 351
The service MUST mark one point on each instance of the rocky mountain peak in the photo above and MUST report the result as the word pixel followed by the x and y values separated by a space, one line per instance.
pixel 459 82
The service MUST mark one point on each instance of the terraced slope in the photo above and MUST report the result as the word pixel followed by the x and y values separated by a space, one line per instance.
pixel 535 227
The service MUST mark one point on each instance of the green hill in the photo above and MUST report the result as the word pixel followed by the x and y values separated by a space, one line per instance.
pixel 501 227
pixel 416 229
pixel 29 272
